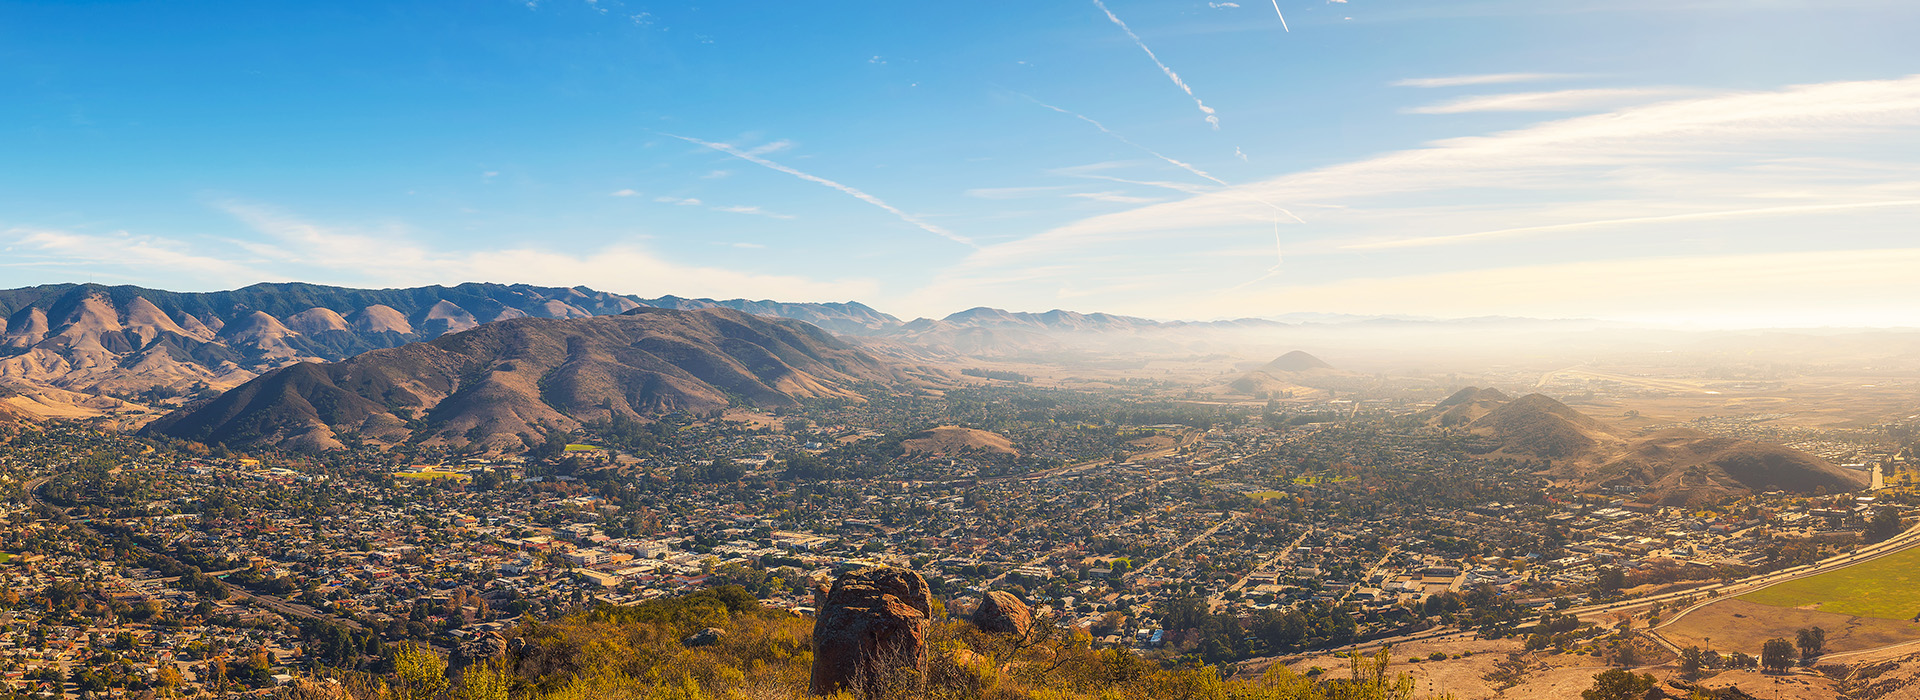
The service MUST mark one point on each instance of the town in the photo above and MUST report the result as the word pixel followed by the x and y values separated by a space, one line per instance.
pixel 1218 533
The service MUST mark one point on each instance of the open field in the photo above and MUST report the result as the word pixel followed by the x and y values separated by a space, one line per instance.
pixel 1317 479
pixel 1886 588
pixel 1740 625
pixel 583 448
pixel 1815 401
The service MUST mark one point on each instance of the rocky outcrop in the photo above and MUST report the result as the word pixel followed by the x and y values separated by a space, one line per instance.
pixel 704 638
pixel 870 636
pixel 1001 613
pixel 479 649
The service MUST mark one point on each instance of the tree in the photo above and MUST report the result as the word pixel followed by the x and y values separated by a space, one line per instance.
pixel 1618 684
pixel 554 446
pixel 1776 655
pixel 1884 525
pixel 418 674
pixel 1812 642
pixel 486 681
pixel 1691 661
pixel 1609 580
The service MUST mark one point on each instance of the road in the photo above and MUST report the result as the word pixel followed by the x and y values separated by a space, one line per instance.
pixel 1186 438
pixel 1598 613
pixel 1899 543
pixel 273 603
pixel 1215 600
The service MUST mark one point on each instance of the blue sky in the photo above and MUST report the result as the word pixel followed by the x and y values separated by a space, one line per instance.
pixel 1747 162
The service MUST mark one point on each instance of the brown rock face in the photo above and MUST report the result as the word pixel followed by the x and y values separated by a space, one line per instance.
pixel 1001 613
pixel 870 636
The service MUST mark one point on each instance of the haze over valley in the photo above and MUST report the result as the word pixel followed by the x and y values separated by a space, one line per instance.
pixel 1094 350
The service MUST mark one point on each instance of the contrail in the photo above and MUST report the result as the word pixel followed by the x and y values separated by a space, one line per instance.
pixel 1122 139
pixel 857 194
pixel 1183 165
pixel 1175 77
pixel 1279 255
pixel 1283 18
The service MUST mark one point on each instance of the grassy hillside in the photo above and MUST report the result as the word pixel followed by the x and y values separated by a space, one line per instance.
pixel 1887 588
pixel 765 654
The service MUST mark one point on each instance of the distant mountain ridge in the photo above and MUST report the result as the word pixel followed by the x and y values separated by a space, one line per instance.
pixel 507 384
pixel 1061 320
pixel 128 341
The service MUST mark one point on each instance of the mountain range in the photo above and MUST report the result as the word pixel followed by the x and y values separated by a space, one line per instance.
pixel 1676 465
pixel 61 344
pixel 126 341
pixel 508 383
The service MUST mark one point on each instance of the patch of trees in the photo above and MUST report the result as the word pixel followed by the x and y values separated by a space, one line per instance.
pixel 1001 375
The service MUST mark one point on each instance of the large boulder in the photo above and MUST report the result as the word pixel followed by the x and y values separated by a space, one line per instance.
pixel 1001 613
pixel 870 635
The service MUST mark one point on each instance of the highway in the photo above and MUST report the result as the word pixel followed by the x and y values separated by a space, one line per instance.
pixel 1605 612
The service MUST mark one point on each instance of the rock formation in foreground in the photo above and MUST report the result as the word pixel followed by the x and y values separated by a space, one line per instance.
pixel 1001 613
pixel 870 636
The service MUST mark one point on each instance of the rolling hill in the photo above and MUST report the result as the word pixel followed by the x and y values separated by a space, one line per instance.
pixel 507 383
pixel 1291 373
pixel 1676 465
pixel 1465 406
pixel 948 439
pixel 1296 361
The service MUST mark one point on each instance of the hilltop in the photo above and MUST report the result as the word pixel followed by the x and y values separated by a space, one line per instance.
pixel 1466 406
pixel 1296 361
pixel 509 383
pixel 1290 373
pixel 948 439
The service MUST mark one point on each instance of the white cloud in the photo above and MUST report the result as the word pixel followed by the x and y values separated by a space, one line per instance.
pixel 1759 212
pixel 1756 172
pixel 123 254
pixel 389 255
pixel 1554 101
pixel 756 211
pixel 1119 197
pixel 625 193
pixel 1814 287
pixel 1013 192
pixel 1222 5
pixel 679 201
pixel 1482 79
